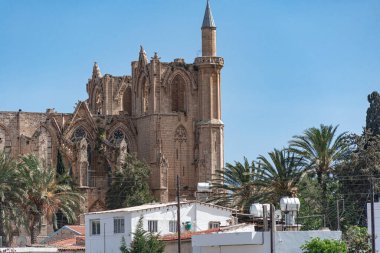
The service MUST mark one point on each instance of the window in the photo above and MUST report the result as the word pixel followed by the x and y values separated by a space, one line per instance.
pixel 78 134
pixel 118 225
pixel 152 226
pixel 95 227
pixel 178 94
pixel 214 224
pixel 117 136
pixel 173 226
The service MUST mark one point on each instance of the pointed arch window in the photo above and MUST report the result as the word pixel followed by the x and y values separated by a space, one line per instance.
pixel 127 101
pixel 178 94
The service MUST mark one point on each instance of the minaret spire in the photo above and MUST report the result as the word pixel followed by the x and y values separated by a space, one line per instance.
pixel 208 33
pixel 208 20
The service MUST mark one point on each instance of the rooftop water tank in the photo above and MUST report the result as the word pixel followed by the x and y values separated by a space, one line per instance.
pixel 290 204
pixel 204 187
pixel 257 210
pixel 278 215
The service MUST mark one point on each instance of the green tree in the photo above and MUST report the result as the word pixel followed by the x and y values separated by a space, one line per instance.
pixel 317 245
pixel 235 186
pixel 143 242
pixel 45 196
pixel 280 175
pixel 130 185
pixel 312 212
pixel 358 240
pixel 11 196
pixel 373 111
pixel 309 195
pixel 60 165
pixel 322 150
pixel 355 174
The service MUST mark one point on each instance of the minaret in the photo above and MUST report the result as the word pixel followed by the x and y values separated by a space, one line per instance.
pixel 209 125
pixel 208 33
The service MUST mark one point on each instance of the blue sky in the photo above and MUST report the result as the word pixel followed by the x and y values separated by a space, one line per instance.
pixel 289 65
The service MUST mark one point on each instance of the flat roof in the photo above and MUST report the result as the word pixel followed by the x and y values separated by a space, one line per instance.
pixel 158 205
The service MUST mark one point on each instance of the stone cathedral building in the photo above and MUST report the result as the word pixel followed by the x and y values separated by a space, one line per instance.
pixel 168 113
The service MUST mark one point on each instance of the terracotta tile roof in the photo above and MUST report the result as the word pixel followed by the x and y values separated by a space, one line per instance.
pixel 67 244
pixel 78 228
pixel 187 235
pixel 71 249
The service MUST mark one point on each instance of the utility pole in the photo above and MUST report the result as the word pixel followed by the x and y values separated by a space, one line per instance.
pixel 337 215
pixel 273 229
pixel 338 212
pixel 373 237
pixel 178 216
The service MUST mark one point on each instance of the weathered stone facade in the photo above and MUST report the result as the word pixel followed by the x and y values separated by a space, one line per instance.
pixel 168 113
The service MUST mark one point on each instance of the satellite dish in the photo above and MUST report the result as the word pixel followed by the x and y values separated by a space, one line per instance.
pixel 21 241
pixel 277 215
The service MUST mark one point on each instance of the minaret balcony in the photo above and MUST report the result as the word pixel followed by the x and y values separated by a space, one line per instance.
pixel 207 60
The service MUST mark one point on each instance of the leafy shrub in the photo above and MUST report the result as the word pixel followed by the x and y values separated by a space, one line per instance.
pixel 358 240
pixel 317 245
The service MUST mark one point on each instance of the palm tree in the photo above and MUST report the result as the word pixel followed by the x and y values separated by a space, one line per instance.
pixel 45 195
pixel 235 186
pixel 322 150
pixel 280 175
pixel 11 196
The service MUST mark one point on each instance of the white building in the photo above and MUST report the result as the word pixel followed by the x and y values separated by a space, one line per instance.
pixel 246 239
pixel 105 230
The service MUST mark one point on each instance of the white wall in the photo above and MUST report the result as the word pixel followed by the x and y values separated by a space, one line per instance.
pixel 31 250
pixel 258 242
pixel 291 241
pixel 198 214
pixel 108 240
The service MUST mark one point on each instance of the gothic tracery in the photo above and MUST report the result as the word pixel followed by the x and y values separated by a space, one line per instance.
pixel 78 134
pixel 180 134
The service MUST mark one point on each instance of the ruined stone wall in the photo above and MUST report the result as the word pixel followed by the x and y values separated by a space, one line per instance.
pixel 19 128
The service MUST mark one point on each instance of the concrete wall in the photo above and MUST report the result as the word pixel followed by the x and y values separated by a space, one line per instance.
pixel 198 214
pixel 258 242
pixel 172 246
